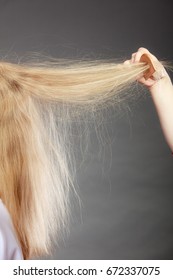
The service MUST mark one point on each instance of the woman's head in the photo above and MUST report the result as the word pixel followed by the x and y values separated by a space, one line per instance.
pixel 37 103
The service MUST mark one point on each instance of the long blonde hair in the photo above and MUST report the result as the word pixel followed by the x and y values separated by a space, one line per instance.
pixel 36 170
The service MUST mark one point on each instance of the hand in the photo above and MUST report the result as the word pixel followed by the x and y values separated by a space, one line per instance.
pixel 161 90
pixel 158 66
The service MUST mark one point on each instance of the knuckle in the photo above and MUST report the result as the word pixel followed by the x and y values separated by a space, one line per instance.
pixel 141 49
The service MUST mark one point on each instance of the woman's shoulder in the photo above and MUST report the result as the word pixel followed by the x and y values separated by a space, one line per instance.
pixel 9 245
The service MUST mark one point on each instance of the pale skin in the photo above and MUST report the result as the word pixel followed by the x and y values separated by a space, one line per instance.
pixel 162 94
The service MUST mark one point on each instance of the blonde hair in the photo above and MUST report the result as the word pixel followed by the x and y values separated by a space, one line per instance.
pixel 36 168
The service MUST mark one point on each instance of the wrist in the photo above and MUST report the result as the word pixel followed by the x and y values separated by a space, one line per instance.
pixel 162 85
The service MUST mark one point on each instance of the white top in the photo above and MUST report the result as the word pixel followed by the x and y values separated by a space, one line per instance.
pixel 9 245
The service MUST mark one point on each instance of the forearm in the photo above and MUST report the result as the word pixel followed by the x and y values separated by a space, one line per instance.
pixel 162 95
pixel 161 89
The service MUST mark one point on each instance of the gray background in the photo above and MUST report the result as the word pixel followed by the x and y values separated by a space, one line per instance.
pixel 127 192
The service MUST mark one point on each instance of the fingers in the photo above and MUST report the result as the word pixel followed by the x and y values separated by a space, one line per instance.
pixel 155 63
pixel 127 62
pixel 133 57
pixel 136 57
pixel 140 52
pixel 148 78
pixel 132 60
